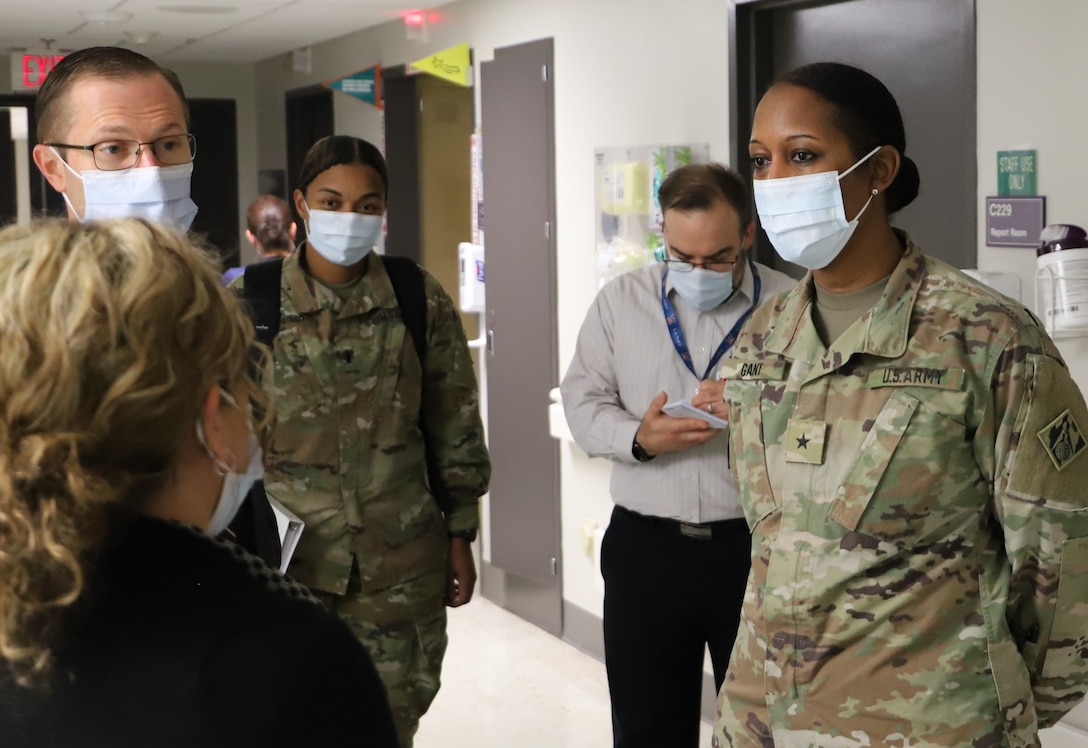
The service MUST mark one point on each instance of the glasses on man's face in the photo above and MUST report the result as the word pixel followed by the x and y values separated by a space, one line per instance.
pixel 115 155
pixel 683 266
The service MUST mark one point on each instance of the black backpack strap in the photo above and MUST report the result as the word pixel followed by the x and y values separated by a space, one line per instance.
pixel 262 296
pixel 407 279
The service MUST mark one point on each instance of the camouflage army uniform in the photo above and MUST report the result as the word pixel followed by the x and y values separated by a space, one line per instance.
pixel 347 456
pixel 918 496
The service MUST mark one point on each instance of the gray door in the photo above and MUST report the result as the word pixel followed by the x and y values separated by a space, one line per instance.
pixel 923 51
pixel 404 215
pixel 522 362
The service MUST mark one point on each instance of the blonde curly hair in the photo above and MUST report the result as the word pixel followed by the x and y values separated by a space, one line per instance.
pixel 111 335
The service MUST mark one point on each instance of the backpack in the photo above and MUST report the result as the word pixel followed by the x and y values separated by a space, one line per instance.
pixel 262 296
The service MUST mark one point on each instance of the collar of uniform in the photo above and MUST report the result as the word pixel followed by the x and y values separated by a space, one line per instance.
pixel 888 328
pixel 373 291
pixel 744 293
pixel 794 314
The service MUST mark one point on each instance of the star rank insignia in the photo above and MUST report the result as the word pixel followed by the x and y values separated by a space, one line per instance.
pixel 805 440
pixel 1062 439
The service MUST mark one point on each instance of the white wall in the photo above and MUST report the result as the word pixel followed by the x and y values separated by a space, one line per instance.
pixel 1030 93
pixel 627 72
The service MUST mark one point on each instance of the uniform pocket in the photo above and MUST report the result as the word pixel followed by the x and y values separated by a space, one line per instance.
pixel 874 458
pixel 1069 634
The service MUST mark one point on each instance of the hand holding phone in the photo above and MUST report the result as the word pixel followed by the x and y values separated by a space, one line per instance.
pixel 684 409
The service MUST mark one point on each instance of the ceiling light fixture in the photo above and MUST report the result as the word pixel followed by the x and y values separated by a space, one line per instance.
pixel 197 9
pixel 105 16
pixel 141 38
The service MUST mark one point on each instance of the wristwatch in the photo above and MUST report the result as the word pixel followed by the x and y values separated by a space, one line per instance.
pixel 640 453
pixel 469 535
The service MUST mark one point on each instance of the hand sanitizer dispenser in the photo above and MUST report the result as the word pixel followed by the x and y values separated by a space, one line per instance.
pixel 472 277
pixel 1062 279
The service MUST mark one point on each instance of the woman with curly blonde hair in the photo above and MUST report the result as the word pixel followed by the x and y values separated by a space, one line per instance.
pixel 126 443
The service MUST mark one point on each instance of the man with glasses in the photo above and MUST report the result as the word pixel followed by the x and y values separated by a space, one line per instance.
pixel 113 137
pixel 114 141
pixel 675 557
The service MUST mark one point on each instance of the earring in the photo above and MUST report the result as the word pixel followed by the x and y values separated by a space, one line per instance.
pixel 875 191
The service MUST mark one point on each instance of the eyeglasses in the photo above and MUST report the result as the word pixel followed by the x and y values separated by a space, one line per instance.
pixel 683 266
pixel 115 155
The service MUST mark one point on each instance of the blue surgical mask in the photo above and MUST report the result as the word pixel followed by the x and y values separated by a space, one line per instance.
pixel 156 193
pixel 236 486
pixel 804 216
pixel 704 289
pixel 342 238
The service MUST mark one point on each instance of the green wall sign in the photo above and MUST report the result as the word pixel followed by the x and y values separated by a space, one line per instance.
pixel 1016 172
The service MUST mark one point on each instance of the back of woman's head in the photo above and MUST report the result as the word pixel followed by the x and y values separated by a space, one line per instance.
pixel 111 335
pixel 335 150
pixel 269 219
pixel 867 114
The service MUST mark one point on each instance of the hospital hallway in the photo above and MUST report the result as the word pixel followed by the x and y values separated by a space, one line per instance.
pixel 508 683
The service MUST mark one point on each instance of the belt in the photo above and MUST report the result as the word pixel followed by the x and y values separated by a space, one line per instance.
pixel 699 531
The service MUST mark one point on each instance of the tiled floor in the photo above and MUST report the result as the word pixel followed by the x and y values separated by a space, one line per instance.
pixel 508 683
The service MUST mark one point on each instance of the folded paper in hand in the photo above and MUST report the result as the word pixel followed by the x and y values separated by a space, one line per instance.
pixel 290 527
pixel 684 409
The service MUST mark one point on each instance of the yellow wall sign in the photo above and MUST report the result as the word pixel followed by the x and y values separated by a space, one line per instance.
pixel 451 64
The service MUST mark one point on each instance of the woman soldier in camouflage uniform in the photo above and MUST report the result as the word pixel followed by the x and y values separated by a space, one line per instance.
pixel 909 449
pixel 352 401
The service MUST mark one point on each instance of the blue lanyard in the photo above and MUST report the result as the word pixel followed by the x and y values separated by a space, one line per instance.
pixel 681 343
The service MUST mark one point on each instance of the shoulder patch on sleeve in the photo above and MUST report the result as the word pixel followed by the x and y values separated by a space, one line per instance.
pixel 1062 439
pixel 1048 466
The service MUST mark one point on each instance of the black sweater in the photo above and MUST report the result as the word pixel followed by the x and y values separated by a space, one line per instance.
pixel 181 640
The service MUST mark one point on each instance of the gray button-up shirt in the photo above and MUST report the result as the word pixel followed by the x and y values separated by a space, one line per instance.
pixel 624 357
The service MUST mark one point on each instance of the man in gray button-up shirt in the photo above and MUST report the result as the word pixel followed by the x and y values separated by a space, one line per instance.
pixel 676 553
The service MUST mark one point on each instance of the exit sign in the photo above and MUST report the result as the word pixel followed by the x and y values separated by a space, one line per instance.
pixel 1016 173
pixel 29 69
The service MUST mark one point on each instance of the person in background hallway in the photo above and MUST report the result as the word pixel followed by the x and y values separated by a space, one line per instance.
pixel 359 415
pixel 675 554
pixel 270 231
pixel 114 140
pixel 910 450
pixel 126 443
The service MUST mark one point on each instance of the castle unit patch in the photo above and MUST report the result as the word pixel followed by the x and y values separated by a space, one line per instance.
pixel 1062 439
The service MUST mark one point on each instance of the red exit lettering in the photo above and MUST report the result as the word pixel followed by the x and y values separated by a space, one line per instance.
pixel 37 67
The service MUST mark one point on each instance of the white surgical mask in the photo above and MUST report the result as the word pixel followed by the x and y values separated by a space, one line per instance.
pixel 342 238
pixel 804 216
pixel 157 193
pixel 704 289
pixel 236 486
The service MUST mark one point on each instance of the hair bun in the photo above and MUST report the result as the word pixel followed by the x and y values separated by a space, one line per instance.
pixel 904 188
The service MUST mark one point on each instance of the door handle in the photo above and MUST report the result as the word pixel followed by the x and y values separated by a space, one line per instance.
pixel 491 342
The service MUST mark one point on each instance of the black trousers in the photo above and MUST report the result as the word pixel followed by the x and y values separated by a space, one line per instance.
pixel 666 597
